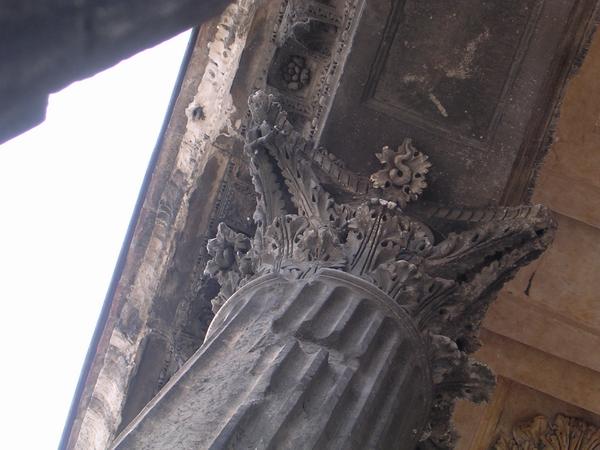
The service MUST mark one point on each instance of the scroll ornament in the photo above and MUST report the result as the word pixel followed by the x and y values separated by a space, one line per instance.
pixel 403 175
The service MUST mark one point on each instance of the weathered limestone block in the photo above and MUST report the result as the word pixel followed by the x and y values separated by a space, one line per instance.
pixel 323 362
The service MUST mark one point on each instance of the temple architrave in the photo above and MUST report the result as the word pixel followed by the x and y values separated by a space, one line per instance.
pixel 369 224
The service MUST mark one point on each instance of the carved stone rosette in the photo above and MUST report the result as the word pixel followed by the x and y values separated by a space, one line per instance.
pixel 562 433
pixel 403 175
pixel 444 284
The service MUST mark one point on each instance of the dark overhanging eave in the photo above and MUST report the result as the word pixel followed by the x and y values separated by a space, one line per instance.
pixel 122 258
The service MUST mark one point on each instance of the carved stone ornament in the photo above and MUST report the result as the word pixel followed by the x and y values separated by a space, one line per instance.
pixel 443 283
pixel 295 73
pixel 403 175
pixel 563 433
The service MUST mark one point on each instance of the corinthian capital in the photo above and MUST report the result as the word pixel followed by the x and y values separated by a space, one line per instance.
pixel 443 283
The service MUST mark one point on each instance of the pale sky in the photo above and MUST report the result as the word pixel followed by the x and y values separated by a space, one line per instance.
pixel 67 189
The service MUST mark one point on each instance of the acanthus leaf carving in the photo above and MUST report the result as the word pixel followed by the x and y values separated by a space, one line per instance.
pixel 269 195
pixel 231 264
pixel 293 243
pixel 455 375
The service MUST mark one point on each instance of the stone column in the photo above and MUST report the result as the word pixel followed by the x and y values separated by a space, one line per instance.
pixel 328 361
pixel 338 325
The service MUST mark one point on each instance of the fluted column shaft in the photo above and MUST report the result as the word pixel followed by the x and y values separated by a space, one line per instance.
pixel 326 362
